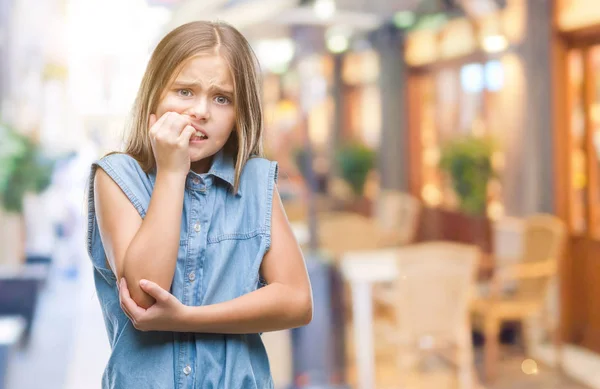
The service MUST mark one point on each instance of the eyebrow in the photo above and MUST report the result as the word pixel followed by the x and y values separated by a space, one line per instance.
pixel 191 84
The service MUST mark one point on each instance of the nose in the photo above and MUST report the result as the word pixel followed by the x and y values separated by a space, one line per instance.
pixel 201 109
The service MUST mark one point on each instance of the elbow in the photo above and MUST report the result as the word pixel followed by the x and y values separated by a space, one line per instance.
pixel 141 298
pixel 305 309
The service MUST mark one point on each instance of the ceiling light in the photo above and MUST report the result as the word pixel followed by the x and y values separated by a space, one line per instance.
pixel 324 9
pixel 337 44
pixel 495 43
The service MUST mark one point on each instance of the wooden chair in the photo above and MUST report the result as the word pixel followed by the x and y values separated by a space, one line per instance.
pixel 397 214
pixel 339 232
pixel 544 237
pixel 432 295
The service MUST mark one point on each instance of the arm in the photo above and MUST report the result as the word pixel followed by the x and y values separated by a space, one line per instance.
pixel 147 249
pixel 521 270
pixel 286 301
pixel 137 249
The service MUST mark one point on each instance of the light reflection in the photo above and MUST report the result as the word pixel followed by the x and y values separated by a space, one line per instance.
pixel 529 367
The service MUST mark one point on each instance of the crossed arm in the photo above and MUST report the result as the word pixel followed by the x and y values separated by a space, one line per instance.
pixel 143 259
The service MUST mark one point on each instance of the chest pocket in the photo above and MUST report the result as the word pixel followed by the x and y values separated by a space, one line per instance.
pixel 247 214
pixel 235 220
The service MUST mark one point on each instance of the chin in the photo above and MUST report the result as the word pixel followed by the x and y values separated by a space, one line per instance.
pixel 196 155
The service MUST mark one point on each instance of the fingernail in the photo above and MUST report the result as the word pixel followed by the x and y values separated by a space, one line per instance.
pixel 143 282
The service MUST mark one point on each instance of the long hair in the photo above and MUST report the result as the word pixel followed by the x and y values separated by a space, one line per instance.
pixel 167 60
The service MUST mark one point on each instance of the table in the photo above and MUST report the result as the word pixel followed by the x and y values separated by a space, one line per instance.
pixel 363 269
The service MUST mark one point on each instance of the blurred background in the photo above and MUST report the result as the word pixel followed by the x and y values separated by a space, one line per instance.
pixel 439 162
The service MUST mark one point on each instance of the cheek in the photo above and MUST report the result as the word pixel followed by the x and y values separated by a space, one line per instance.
pixel 227 121
pixel 168 105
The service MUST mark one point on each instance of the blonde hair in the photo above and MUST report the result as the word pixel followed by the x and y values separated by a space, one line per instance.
pixel 166 62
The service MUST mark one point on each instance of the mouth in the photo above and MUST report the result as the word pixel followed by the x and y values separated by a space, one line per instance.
pixel 199 135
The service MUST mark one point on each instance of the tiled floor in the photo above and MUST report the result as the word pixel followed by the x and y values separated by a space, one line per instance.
pixel 436 374
pixel 511 376
pixel 68 348
pixel 47 356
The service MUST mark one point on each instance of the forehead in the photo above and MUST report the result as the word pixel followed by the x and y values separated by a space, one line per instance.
pixel 206 70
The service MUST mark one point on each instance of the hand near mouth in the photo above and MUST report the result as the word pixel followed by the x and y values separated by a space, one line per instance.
pixel 170 137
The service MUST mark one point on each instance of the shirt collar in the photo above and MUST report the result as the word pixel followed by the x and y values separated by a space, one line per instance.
pixel 223 167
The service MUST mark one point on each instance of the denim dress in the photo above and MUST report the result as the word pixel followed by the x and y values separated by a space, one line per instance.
pixel 224 237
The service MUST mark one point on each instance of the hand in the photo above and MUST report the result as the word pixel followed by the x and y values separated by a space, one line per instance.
pixel 170 140
pixel 167 313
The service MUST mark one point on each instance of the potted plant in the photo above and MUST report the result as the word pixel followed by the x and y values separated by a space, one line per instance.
pixel 468 163
pixel 23 169
pixel 355 161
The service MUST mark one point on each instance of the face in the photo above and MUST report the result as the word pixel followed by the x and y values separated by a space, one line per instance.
pixel 203 91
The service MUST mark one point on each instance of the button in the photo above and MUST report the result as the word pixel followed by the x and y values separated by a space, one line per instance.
pixel 196 180
pixel 192 276
pixel 187 370
pixel 197 227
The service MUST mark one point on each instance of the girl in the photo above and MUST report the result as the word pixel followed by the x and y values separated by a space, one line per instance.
pixel 192 251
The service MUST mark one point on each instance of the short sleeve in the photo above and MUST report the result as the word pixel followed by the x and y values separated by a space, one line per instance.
pixel 135 184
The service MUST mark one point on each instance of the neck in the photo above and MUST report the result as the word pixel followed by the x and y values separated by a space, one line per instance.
pixel 202 166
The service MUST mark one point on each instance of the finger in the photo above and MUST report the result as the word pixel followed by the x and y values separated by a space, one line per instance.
pixel 127 313
pixel 121 299
pixel 179 124
pixel 161 122
pixel 186 135
pixel 128 304
pixel 166 121
pixel 154 290
pixel 155 123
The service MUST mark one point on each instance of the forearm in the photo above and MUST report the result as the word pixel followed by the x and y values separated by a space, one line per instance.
pixel 274 307
pixel 152 253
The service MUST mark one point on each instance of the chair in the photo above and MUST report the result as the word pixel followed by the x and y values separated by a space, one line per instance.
pixel 20 288
pixel 397 214
pixel 339 232
pixel 433 293
pixel 544 237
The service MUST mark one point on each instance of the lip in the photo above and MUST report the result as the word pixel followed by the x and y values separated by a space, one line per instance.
pixel 200 129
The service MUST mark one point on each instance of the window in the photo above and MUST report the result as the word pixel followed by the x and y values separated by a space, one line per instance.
pixel 454 101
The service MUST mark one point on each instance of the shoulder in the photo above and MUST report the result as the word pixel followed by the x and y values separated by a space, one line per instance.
pixel 258 180
pixel 120 163
pixel 123 169
pixel 129 176
pixel 258 167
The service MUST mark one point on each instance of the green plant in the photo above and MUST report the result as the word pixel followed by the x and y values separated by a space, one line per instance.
pixel 23 168
pixel 467 161
pixel 355 161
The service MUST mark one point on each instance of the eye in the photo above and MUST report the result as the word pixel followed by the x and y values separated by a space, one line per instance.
pixel 184 92
pixel 222 100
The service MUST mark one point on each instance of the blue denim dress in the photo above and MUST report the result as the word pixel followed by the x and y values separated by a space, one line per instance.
pixel 224 237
